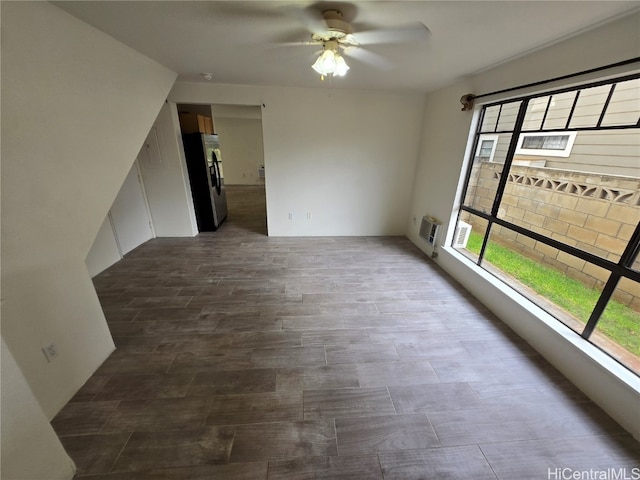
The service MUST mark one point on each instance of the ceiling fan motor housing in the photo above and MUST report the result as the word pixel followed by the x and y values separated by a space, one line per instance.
pixel 337 28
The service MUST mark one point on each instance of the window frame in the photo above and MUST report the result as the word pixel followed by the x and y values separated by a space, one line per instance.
pixel 617 270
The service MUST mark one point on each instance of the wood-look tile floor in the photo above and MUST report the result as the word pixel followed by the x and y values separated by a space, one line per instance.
pixel 241 356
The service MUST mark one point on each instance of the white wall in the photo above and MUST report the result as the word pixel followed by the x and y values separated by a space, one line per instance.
pixel 591 49
pixel 442 150
pixel 445 139
pixel 104 251
pixel 164 192
pixel 130 214
pixel 344 157
pixel 242 148
pixel 165 179
pixel 126 227
pixel 28 430
pixel 76 106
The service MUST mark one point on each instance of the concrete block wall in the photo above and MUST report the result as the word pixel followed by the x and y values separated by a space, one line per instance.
pixel 594 212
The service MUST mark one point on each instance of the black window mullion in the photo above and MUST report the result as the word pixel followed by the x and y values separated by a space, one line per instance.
pixel 571 250
pixel 495 128
pixel 513 144
pixel 485 241
pixel 601 304
pixel 505 173
pixel 479 126
pixel 599 83
pixel 473 155
pixel 573 109
pixel 582 129
pixel 606 105
pixel 626 259
pixel 633 248
pixel 546 111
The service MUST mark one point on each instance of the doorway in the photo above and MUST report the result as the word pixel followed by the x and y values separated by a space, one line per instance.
pixel 239 131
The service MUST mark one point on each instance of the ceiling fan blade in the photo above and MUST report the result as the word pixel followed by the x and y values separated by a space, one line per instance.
pixel 297 37
pixel 368 57
pixel 311 18
pixel 416 32
pixel 295 44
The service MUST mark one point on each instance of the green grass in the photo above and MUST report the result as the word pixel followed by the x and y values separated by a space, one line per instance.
pixel 618 322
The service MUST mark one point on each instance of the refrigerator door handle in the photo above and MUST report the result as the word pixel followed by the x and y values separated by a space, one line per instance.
pixel 212 174
pixel 215 173
pixel 218 182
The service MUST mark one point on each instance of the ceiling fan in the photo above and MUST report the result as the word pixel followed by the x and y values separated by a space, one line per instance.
pixel 332 30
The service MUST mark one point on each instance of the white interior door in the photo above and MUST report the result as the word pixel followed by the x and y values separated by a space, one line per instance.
pixel 130 214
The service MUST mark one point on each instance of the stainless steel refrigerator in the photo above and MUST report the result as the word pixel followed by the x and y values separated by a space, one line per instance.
pixel 204 164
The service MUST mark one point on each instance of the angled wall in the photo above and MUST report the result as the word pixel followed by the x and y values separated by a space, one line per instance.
pixel 26 431
pixel 76 107
pixel 165 177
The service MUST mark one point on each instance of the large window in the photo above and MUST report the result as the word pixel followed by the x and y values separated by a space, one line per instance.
pixel 552 196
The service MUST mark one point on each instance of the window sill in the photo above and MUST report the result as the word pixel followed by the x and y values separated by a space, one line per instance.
pixel 609 384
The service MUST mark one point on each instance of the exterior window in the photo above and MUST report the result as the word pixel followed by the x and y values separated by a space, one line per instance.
pixel 487 148
pixel 546 144
pixel 563 231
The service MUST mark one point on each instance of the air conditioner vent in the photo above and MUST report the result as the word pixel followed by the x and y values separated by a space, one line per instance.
pixel 461 235
pixel 429 229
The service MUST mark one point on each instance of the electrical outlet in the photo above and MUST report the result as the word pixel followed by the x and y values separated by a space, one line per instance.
pixel 308 215
pixel 290 215
pixel 50 351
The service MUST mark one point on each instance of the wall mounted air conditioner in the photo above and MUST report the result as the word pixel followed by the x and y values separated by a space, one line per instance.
pixel 429 229
pixel 461 235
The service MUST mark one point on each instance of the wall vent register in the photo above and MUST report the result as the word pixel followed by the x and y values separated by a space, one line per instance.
pixel 429 229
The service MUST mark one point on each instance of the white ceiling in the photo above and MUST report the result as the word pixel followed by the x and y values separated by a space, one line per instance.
pixel 240 42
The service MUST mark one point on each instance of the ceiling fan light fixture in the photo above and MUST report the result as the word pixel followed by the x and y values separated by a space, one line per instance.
pixel 326 63
pixel 341 66
pixel 330 62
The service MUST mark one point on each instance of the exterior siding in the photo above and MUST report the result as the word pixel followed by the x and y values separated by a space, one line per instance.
pixel 608 152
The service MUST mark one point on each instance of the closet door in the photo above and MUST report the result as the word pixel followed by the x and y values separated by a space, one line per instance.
pixel 130 214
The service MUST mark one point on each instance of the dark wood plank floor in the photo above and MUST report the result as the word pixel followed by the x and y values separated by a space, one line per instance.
pixel 241 356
